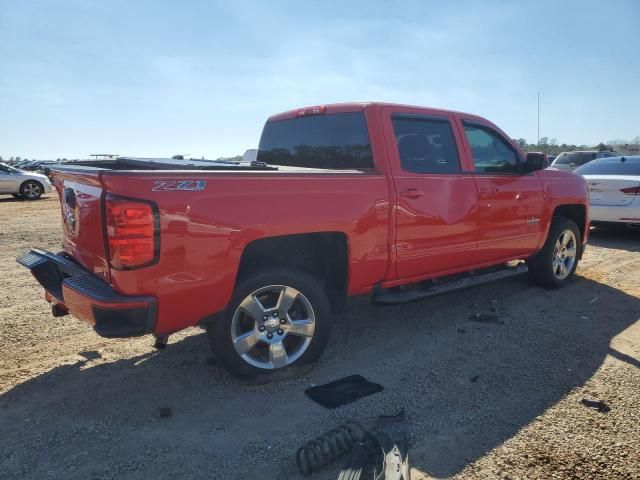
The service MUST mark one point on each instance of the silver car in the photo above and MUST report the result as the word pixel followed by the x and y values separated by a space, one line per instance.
pixel 569 161
pixel 21 184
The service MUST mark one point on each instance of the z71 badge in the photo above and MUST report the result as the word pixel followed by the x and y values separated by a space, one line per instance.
pixel 178 185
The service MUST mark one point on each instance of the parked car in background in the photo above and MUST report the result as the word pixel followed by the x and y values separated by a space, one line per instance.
pixel 551 158
pixel 21 184
pixel 614 190
pixel 569 161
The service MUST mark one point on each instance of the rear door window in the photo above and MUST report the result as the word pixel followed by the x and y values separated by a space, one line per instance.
pixel 491 154
pixel 425 144
pixel 327 141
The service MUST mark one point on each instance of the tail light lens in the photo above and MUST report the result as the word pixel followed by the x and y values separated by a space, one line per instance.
pixel 631 190
pixel 132 232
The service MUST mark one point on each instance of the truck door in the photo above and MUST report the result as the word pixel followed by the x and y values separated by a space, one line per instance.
pixel 436 203
pixel 510 202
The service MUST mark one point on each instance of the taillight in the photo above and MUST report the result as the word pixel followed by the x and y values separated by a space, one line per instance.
pixel 631 190
pixel 133 232
pixel 319 110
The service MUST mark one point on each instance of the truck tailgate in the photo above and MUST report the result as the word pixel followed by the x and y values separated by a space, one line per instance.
pixel 82 219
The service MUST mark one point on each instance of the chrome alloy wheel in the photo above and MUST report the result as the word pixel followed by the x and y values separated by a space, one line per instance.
pixel 564 254
pixel 272 327
pixel 32 190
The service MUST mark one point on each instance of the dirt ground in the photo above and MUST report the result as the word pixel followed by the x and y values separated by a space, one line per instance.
pixel 499 399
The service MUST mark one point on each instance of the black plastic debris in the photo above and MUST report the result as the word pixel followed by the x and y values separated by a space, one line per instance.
pixel 597 405
pixel 390 432
pixel 343 391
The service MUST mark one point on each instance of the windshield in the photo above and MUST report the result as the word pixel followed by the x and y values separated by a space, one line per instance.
pixel 333 141
pixel 8 168
pixel 575 158
pixel 611 166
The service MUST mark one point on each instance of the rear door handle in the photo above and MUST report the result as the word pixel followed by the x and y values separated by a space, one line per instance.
pixel 412 193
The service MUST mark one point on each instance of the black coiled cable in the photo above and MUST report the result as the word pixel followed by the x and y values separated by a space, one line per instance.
pixel 329 446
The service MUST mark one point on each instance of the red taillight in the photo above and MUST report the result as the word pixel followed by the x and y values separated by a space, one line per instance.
pixel 319 110
pixel 132 233
pixel 631 190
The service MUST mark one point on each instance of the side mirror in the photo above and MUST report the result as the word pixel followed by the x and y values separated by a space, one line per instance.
pixel 535 161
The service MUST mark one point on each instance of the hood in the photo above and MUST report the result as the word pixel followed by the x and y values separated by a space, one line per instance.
pixel 35 176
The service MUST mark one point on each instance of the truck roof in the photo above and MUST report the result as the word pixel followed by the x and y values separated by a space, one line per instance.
pixel 354 107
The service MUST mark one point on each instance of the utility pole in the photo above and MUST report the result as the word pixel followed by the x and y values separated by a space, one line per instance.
pixel 538 120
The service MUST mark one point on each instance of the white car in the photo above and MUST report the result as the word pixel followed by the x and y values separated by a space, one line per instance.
pixel 21 184
pixel 614 189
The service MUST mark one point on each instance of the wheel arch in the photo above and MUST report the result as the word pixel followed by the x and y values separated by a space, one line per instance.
pixel 323 254
pixel 575 212
pixel 26 180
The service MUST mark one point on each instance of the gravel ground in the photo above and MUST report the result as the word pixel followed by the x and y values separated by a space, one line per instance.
pixel 499 399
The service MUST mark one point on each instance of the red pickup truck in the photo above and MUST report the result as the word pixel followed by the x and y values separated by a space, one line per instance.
pixel 395 201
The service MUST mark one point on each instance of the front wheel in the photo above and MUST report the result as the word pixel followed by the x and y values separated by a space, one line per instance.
pixel 277 320
pixel 555 264
pixel 31 189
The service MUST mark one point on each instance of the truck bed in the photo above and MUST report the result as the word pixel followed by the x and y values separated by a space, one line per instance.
pixel 141 165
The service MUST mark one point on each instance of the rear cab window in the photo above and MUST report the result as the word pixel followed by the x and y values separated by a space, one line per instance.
pixel 425 144
pixel 335 141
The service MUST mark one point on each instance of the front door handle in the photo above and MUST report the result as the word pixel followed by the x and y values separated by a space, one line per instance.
pixel 412 193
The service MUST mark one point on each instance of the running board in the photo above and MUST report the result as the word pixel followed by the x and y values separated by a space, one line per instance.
pixel 395 297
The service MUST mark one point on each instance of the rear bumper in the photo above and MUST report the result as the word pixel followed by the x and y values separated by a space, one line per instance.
pixel 616 214
pixel 78 291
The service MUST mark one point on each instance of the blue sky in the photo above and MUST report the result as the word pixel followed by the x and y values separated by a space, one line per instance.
pixel 156 78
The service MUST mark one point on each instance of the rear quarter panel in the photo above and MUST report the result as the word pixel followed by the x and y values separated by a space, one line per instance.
pixel 203 234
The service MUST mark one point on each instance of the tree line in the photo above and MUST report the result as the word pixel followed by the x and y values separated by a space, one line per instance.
pixel 550 146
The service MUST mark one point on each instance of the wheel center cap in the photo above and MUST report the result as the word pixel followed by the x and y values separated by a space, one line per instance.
pixel 272 324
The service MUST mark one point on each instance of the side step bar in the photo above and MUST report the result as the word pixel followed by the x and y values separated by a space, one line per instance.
pixel 398 296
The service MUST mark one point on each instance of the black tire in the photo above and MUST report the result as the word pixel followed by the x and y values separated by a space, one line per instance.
pixel 541 265
pixel 31 189
pixel 219 331
pixel 16 195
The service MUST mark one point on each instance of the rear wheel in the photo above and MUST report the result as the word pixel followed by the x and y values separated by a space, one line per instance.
pixel 31 189
pixel 276 321
pixel 556 263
